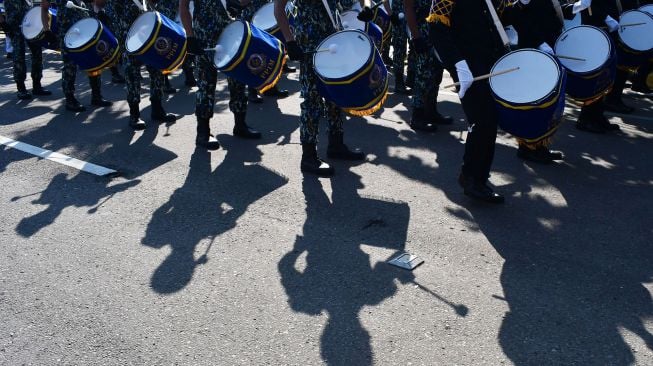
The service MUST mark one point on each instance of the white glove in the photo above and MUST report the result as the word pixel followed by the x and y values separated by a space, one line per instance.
pixel 580 6
pixel 465 77
pixel 525 2
pixel 612 24
pixel 544 47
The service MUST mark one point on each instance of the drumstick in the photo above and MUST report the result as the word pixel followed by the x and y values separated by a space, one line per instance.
pixel 631 24
pixel 486 76
pixel 217 49
pixel 589 10
pixel 570 58
pixel 333 48
pixel 71 5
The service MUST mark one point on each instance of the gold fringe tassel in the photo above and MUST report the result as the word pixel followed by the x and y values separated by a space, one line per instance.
pixel 368 111
pixel 433 17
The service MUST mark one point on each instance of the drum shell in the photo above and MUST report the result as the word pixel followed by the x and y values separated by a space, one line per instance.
pixel 100 52
pixel 165 48
pixel 259 61
pixel 382 19
pixel 589 86
pixel 536 120
pixel 360 93
pixel 54 27
pixel 628 58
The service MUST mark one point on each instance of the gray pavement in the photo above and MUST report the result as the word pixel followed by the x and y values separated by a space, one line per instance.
pixel 233 258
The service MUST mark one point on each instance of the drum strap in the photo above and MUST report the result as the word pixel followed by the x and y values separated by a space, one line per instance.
pixel 497 23
pixel 328 10
pixel 558 9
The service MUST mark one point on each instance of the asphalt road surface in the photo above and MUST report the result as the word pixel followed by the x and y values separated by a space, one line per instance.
pixel 234 258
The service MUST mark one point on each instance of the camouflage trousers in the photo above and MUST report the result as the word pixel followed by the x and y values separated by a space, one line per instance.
pixel 68 75
pixel 399 41
pixel 206 83
pixel 314 106
pixel 20 66
pixel 133 77
pixel 428 75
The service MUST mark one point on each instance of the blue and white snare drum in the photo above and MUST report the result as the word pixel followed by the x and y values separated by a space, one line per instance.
pixel 530 100
pixel 382 19
pixel 351 73
pixel 264 19
pixel 157 41
pixel 32 27
pixel 91 45
pixel 249 55
pixel 349 21
pixel 591 78
pixel 635 40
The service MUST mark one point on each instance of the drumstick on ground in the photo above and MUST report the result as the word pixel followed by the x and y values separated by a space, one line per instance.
pixel 570 58
pixel 483 77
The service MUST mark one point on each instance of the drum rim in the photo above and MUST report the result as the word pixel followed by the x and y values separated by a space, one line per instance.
pixel 35 9
pixel 538 103
pixel 623 42
pixel 91 41
pixel 607 60
pixel 358 71
pixel 246 35
pixel 270 29
pixel 150 38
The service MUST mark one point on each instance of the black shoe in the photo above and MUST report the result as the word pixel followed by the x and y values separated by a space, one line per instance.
pixel 440 119
pixel 589 125
pixel 118 79
pixel 276 92
pixel 159 115
pixel 253 97
pixel 242 130
pixel 73 105
pixel 98 101
pixel 419 121
pixel 607 125
pixel 24 95
pixel 41 92
pixel 207 141
pixel 288 69
pixel 136 123
pixel 338 150
pixel 540 155
pixel 312 164
pixel 479 191
pixel 618 106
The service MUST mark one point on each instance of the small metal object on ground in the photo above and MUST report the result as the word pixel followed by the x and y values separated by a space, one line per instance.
pixel 406 261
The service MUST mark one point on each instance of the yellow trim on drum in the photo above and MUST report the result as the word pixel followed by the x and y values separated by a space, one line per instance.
pixel 112 60
pixel 277 78
pixel 178 61
pixel 353 78
pixel 242 54
pixel 372 106
pixel 548 134
pixel 155 35
pixel 596 96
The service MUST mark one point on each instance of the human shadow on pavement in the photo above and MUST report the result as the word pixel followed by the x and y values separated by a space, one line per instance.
pixel 208 204
pixel 575 261
pixel 338 278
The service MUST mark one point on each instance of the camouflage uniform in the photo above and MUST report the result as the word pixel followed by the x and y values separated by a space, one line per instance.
pixel 15 11
pixel 428 69
pixel 124 14
pixel 209 19
pixel 65 19
pixel 312 26
pixel 399 39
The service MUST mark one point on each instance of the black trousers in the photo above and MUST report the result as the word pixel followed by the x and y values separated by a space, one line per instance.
pixel 482 116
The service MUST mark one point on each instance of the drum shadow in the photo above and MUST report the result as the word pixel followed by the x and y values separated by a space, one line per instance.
pixel 207 205
pixel 337 277
pixel 573 275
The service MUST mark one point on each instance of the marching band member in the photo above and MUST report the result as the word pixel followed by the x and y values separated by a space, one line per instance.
pixel 465 35
pixel 312 25
pixel 15 11
pixel 100 14
pixel 127 13
pixel 170 9
pixel 66 17
pixel 203 29
pixel 428 69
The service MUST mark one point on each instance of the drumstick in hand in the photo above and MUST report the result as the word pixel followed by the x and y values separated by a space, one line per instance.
pixel 570 58
pixel 71 5
pixel 486 76
pixel 333 48
pixel 631 24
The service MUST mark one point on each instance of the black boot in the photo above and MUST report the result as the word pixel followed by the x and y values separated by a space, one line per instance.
pixel 37 89
pixel 438 119
pixel 135 120
pixel 400 85
pixel 276 92
pixel 73 105
pixel 167 88
pixel 312 164
pixel 541 154
pixel 242 130
pixel 410 78
pixel 338 150
pixel 96 95
pixel 590 124
pixel 420 122
pixel 116 78
pixel 204 138
pixel 159 115
pixel 23 94
pixel 479 191
pixel 252 96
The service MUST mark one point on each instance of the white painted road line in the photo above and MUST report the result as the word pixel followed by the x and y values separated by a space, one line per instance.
pixel 56 157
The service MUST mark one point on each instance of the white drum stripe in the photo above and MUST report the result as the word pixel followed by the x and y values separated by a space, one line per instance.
pixel 56 157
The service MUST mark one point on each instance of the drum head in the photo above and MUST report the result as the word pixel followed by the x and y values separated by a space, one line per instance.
pixel 81 33
pixel 353 50
pixel 647 9
pixel 537 77
pixel 32 25
pixel 140 31
pixel 264 17
pixel 349 20
pixel 585 42
pixel 229 43
pixel 637 37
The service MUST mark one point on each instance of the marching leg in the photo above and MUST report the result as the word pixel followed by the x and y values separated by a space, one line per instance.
pixel 37 70
pixel 96 93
